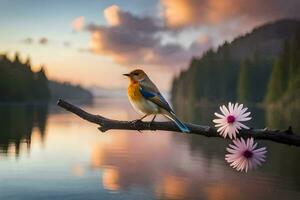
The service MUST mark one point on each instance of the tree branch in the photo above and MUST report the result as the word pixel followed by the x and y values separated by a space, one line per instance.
pixel 279 136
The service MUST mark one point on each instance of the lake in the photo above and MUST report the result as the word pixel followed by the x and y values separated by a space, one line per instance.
pixel 47 153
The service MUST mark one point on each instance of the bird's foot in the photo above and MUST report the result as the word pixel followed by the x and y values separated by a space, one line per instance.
pixel 136 121
pixel 135 124
pixel 149 124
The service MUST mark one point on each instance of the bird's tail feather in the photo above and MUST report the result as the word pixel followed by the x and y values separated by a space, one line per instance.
pixel 180 125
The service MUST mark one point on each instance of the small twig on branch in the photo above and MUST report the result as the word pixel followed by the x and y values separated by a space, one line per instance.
pixel 279 136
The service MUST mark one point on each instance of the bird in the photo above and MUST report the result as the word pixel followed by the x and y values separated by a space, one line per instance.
pixel 146 99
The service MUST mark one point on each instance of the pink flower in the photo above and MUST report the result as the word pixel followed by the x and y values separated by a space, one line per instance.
pixel 243 155
pixel 229 122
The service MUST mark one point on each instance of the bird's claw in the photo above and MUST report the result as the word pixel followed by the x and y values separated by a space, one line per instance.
pixel 150 124
pixel 135 122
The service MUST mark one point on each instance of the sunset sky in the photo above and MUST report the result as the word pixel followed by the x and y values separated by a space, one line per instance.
pixel 92 42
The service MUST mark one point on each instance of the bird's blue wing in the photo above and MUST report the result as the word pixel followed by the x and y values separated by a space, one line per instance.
pixel 147 94
pixel 156 98
pixel 159 100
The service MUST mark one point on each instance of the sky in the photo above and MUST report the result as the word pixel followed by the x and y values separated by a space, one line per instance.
pixel 93 42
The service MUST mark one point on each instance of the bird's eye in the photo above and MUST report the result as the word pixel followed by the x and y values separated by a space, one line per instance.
pixel 136 74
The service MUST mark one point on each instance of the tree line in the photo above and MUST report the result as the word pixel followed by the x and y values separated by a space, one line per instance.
pixel 218 77
pixel 18 82
pixel 284 84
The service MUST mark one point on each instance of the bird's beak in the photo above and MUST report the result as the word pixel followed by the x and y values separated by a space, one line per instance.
pixel 126 75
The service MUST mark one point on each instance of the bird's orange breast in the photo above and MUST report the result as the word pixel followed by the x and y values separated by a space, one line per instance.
pixel 134 92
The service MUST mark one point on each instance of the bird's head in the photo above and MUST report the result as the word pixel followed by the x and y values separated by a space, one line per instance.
pixel 136 75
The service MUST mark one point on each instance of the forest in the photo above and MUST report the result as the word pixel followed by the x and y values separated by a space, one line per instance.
pixel 19 83
pixel 261 67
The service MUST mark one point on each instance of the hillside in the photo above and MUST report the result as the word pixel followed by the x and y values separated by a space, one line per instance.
pixel 68 91
pixel 19 83
pixel 242 70
pixel 265 40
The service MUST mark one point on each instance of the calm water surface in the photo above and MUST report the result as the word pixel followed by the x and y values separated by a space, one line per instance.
pixel 46 153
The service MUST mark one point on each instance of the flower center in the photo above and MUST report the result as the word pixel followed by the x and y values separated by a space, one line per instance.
pixel 230 119
pixel 248 154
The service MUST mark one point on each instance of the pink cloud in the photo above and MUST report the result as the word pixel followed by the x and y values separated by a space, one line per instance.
pixel 131 39
pixel 136 40
pixel 78 23
pixel 112 15
pixel 182 13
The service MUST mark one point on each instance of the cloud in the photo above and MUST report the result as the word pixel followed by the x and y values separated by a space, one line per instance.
pixel 137 40
pixel 43 41
pixel 182 13
pixel 111 15
pixel 78 23
pixel 66 44
pixel 28 40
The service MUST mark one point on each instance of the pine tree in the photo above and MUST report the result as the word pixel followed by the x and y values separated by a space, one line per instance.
pixel 41 85
pixel 17 58
pixel 284 84
pixel 293 88
pixel 244 85
pixel 18 82
pixel 276 84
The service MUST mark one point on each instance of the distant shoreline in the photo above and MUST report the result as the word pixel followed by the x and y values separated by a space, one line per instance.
pixel 42 103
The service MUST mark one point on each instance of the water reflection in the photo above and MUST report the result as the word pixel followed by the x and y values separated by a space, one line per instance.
pixel 131 158
pixel 272 117
pixel 188 167
pixel 19 124
pixel 79 162
pixel 172 187
pixel 110 179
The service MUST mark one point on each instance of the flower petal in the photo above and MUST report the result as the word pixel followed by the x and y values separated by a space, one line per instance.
pixel 236 156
